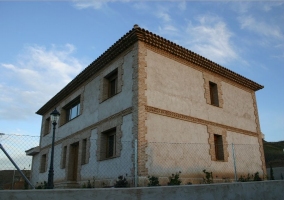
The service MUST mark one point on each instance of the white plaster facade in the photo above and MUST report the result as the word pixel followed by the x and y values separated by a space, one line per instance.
pixel 162 101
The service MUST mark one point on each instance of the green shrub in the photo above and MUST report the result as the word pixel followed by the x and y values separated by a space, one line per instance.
pixel 174 179
pixel 89 184
pixel 121 182
pixel 208 177
pixel 41 185
pixel 153 181
pixel 249 177
pixel 256 177
pixel 244 179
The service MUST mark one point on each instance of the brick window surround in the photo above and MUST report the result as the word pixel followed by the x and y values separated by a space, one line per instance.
pixel 108 144
pixel 213 94
pixel 219 134
pixel 47 125
pixel 71 110
pixel 43 160
pixel 109 133
pixel 111 81
pixel 219 149
pixel 213 90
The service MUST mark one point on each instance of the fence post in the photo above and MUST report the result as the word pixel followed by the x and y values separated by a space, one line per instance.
pixel 135 163
pixel 234 157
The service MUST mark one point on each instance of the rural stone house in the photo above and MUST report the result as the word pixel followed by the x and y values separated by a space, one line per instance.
pixel 147 89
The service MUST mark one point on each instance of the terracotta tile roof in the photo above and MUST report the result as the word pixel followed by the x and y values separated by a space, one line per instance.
pixel 140 34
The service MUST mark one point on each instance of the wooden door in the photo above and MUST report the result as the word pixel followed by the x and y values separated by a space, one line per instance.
pixel 73 162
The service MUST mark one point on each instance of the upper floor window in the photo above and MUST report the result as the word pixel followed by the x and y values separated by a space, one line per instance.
pixel 46 126
pixel 213 90
pixel 214 94
pixel 112 83
pixel 74 111
pixel 71 110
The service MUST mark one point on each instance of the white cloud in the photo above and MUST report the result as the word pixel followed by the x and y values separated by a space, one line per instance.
pixel 163 15
pixel 95 4
pixel 207 35
pixel 267 6
pixel 210 38
pixel 83 4
pixel 260 27
pixel 141 6
pixel 241 7
pixel 38 74
pixel 182 5
pixel 168 29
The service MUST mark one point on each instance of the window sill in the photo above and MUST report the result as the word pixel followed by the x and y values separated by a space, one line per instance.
pixel 45 134
pixel 109 158
pixel 69 120
pixel 83 164
pixel 219 160
pixel 109 97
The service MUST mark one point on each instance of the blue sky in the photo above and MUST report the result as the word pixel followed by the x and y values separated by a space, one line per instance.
pixel 45 44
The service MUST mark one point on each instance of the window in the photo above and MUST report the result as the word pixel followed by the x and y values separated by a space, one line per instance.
pixel 74 111
pixel 108 148
pixel 84 151
pixel 46 126
pixel 64 156
pixel 213 90
pixel 214 94
pixel 218 144
pixel 111 83
pixel 71 110
pixel 43 164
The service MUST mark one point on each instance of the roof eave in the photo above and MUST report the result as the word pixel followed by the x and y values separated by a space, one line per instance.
pixel 122 44
pixel 139 34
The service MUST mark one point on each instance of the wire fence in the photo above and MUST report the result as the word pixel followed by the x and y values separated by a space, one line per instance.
pixel 89 163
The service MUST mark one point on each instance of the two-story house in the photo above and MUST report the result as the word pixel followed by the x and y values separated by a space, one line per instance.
pixel 183 110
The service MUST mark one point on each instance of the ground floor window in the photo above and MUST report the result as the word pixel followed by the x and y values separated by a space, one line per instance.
pixel 43 163
pixel 218 144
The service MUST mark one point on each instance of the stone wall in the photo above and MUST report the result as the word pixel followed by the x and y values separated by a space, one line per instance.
pixel 98 113
pixel 180 88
